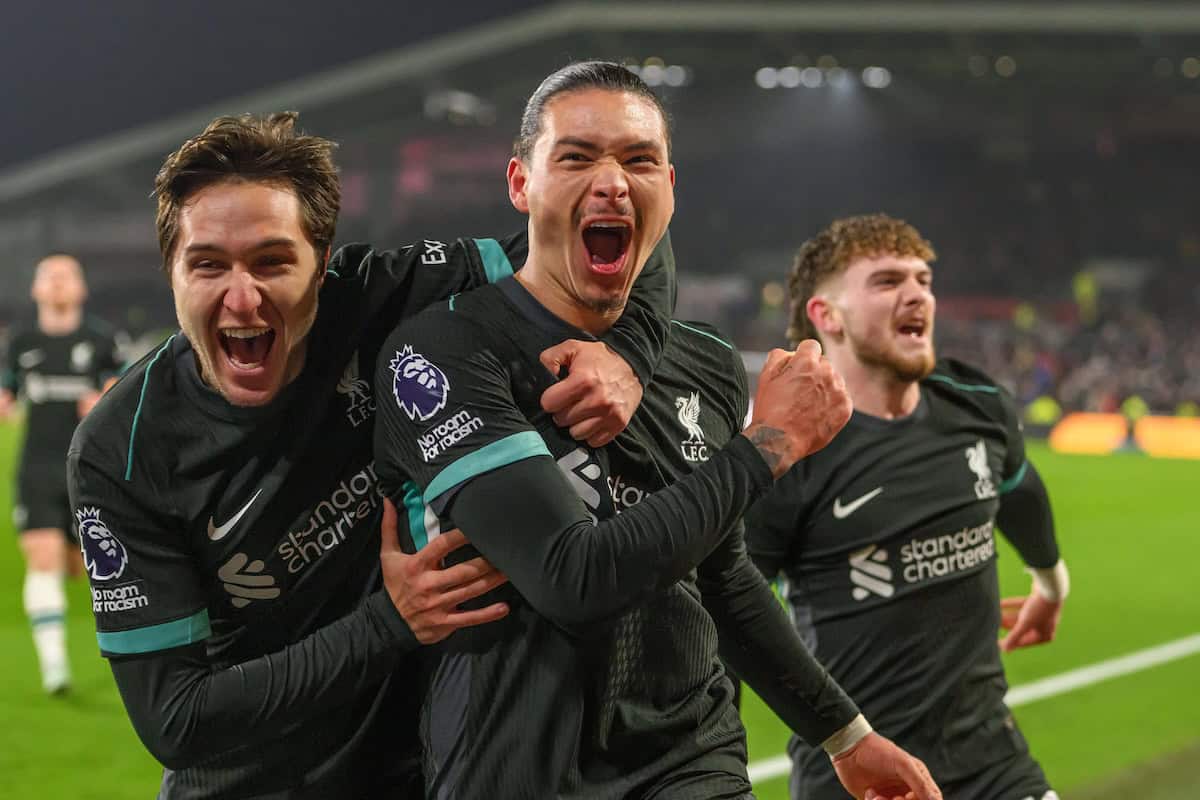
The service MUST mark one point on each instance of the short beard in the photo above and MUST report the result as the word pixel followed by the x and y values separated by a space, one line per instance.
pixel 902 370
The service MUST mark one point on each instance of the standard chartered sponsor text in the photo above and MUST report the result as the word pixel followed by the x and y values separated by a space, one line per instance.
pixel 118 598
pixel 941 555
pixel 354 499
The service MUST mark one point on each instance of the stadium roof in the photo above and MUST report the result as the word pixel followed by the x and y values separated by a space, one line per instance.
pixel 120 81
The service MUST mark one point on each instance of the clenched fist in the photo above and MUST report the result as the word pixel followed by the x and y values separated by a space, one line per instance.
pixel 800 405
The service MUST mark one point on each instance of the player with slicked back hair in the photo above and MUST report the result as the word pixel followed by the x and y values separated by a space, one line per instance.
pixel 886 537
pixel 605 681
pixel 256 626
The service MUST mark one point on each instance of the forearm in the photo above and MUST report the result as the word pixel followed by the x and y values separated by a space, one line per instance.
pixel 762 647
pixel 574 571
pixel 186 712
pixel 1026 519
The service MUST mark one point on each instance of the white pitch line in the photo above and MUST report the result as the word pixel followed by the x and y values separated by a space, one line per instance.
pixel 769 768
pixel 774 767
pixel 1086 676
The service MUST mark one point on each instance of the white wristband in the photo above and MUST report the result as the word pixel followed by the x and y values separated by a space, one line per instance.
pixel 1052 583
pixel 847 737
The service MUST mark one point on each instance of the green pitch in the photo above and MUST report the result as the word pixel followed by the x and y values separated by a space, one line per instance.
pixel 1126 524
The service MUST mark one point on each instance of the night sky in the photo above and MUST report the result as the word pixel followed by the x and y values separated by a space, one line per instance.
pixel 76 70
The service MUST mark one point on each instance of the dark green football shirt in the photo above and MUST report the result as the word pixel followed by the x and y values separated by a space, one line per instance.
pixel 51 373
pixel 233 552
pixel 604 681
pixel 886 543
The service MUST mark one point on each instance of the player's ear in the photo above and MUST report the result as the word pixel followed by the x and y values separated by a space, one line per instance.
pixel 517 183
pixel 323 267
pixel 824 316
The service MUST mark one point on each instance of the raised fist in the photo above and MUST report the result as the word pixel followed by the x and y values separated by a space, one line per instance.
pixel 800 405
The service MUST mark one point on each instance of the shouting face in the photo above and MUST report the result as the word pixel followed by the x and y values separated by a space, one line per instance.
pixel 599 190
pixel 245 280
pixel 883 308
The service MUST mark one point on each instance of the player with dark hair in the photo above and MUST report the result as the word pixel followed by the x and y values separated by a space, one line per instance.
pixel 886 537
pixel 58 366
pixel 605 681
pixel 226 492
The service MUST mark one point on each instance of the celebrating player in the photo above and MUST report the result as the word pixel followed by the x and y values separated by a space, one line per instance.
pixel 604 681
pixel 886 537
pixel 227 497
pixel 58 367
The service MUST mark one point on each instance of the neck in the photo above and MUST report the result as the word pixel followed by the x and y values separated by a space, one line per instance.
pixel 56 320
pixel 559 300
pixel 875 390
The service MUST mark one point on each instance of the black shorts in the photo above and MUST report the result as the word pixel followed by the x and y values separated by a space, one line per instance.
pixel 42 500
pixel 1018 777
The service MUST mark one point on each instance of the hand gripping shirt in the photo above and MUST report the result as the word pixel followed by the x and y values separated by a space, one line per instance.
pixel 233 552
pixel 604 680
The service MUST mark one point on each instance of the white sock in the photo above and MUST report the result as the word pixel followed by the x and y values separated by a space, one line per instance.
pixel 46 607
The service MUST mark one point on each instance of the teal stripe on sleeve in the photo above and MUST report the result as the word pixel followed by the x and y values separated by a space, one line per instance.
pixel 137 414
pixel 706 334
pixel 499 453
pixel 1015 481
pixel 152 638
pixel 495 261
pixel 415 508
pixel 965 387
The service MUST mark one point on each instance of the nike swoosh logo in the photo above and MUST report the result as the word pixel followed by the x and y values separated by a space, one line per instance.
pixel 842 511
pixel 218 533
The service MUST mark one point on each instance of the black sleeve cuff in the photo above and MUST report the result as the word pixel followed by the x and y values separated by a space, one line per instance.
pixel 744 452
pixel 380 608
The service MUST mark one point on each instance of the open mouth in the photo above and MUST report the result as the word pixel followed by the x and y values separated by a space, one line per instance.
pixel 914 329
pixel 607 244
pixel 246 348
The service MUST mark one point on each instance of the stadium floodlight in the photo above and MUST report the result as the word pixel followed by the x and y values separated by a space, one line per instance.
pixel 812 77
pixel 1190 67
pixel 653 74
pixel 838 78
pixel 789 77
pixel 767 77
pixel 675 75
pixel 876 77
pixel 1006 66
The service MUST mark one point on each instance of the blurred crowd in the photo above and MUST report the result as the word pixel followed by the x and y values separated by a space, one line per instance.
pixel 1125 357
pixel 1070 278
pixel 1128 360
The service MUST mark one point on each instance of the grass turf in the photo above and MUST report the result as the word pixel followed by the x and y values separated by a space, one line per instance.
pixel 1125 524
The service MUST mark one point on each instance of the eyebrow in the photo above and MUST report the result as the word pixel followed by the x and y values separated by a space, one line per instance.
pixel 900 271
pixel 279 241
pixel 584 144
pixel 575 141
